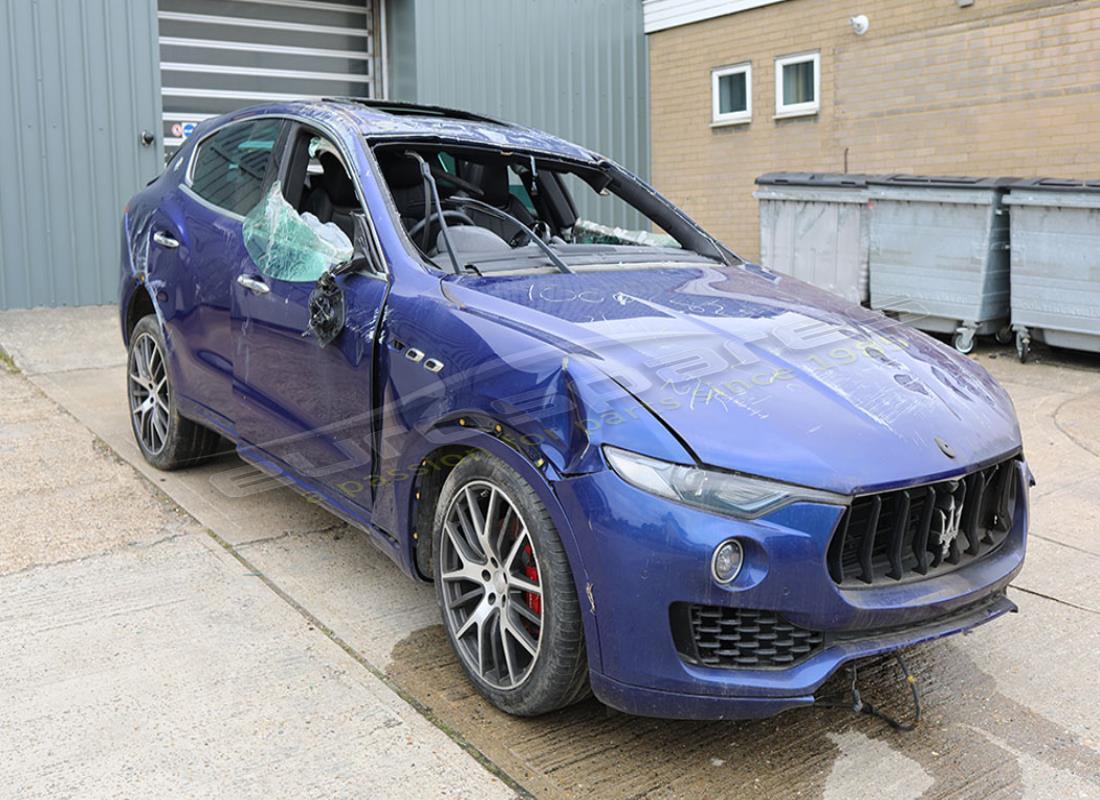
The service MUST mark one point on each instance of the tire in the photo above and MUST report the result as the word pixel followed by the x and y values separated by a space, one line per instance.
pixel 481 584
pixel 166 440
pixel 1004 334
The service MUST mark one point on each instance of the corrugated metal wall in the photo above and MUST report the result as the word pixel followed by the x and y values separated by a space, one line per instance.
pixel 78 84
pixel 81 80
pixel 576 68
pixel 217 55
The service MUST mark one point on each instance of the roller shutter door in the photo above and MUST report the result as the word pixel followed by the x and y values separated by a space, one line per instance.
pixel 218 55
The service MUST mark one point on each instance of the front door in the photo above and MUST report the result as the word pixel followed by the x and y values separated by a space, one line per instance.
pixel 303 408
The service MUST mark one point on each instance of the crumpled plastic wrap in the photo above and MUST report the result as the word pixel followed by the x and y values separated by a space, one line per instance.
pixel 290 246
pixel 594 233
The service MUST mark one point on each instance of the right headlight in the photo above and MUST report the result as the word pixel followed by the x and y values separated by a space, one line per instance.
pixel 728 493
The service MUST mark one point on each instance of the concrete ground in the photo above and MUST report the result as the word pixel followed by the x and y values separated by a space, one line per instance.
pixel 141 657
pixel 157 635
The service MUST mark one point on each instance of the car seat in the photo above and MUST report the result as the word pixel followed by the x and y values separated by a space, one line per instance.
pixel 492 179
pixel 333 198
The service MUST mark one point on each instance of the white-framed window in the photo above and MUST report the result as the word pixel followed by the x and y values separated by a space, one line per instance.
pixel 798 85
pixel 731 94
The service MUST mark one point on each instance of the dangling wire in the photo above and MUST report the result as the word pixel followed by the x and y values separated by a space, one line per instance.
pixel 858 706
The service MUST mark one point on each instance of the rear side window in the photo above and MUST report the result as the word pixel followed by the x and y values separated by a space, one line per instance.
pixel 231 165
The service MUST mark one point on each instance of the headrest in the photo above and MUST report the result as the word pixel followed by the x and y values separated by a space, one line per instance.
pixel 336 183
pixel 492 178
pixel 400 171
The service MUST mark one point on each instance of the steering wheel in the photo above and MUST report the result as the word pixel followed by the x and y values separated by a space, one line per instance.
pixel 457 216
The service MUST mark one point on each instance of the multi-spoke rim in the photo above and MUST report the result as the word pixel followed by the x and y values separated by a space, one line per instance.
pixel 148 384
pixel 492 585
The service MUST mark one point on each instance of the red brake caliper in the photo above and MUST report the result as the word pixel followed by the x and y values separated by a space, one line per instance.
pixel 534 602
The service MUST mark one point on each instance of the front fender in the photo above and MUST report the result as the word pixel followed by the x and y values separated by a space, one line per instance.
pixel 542 478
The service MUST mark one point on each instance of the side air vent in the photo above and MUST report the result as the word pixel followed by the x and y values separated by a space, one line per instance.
pixel 740 638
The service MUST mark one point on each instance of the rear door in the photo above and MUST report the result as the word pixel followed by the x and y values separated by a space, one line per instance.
pixel 301 407
pixel 226 178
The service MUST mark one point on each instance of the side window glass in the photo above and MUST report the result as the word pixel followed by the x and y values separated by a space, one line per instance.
pixel 304 225
pixel 231 165
pixel 290 246
pixel 447 161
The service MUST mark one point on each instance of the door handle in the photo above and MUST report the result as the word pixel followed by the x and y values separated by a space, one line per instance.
pixel 164 239
pixel 254 285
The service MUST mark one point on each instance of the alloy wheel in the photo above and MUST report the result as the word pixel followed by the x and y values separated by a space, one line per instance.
pixel 492 592
pixel 148 389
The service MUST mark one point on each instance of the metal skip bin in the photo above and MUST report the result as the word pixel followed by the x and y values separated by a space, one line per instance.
pixel 1055 263
pixel 939 254
pixel 813 226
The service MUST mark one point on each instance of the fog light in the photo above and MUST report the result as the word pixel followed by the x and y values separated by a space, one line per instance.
pixel 727 561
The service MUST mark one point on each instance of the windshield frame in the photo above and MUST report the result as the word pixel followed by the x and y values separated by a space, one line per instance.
pixel 631 189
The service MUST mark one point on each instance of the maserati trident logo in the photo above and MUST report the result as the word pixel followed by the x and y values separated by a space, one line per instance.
pixel 949 518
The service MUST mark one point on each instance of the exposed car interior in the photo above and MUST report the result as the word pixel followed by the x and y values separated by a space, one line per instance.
pixel 482 210
pixel 317 182
pixel 305 224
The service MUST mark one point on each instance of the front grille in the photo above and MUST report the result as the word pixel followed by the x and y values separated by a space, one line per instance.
pixel 739 638
pixel 927 530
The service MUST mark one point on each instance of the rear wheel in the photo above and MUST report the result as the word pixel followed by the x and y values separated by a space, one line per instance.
pixel 166 440
pixel 506 591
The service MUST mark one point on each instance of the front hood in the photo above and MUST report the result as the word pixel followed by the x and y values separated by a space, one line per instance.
pixel 763 374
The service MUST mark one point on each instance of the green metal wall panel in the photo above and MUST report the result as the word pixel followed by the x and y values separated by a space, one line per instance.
pixel 79 81
pixel 576 68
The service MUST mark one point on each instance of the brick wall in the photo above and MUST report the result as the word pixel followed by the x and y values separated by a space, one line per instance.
pixel 1004 87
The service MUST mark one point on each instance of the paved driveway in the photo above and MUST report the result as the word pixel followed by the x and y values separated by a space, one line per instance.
pixel 1010 710
pixel 141 658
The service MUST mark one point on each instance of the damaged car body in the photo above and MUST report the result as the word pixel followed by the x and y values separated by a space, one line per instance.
pixel 631 463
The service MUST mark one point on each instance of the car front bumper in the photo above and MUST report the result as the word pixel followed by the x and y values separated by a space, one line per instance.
pixel 643 554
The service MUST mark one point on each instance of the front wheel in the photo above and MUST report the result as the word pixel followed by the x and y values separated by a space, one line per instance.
pixel 506 591
pixel 166 440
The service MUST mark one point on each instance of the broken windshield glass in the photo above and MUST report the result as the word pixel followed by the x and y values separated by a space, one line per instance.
pixel 588 232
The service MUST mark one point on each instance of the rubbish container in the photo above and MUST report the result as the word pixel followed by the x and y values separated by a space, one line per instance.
pixel 813 226
pixel 939 254
pixel 1055 263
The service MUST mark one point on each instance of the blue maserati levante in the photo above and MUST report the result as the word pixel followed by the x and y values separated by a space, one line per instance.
pixel 633 464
